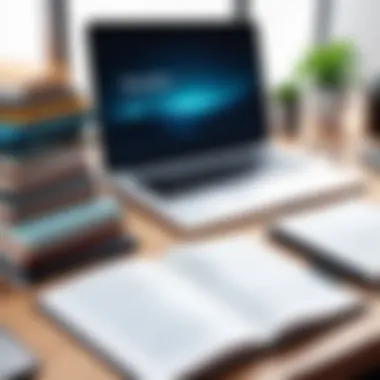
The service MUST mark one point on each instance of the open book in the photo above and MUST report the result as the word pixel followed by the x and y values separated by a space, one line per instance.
pixel 344 238
pixel 202 303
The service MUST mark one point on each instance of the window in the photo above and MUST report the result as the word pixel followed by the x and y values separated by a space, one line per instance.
pixel 287 28
pixel 23 32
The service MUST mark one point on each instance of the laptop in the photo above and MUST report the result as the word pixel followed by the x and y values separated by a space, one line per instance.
pixel 182 112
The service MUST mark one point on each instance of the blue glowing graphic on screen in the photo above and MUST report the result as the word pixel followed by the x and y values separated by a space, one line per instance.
pixel 181 108
pixel 200 101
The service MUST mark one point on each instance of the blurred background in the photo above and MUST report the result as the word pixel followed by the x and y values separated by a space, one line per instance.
pixel 289 28
pixel 321 63
pixel 49 35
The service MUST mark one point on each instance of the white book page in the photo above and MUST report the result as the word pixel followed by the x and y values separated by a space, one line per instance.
pixel 347 234
pixel 84 12
pixel 148 319
pixel 268 290
pixel 24 33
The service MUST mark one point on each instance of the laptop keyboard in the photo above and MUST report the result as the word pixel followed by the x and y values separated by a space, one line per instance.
pixel 168 187
pixel 172 186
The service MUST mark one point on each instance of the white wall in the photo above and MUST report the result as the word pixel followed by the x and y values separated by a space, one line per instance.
pixel 358 20
pixel 287 27
pixel 23 32
pixel 288 30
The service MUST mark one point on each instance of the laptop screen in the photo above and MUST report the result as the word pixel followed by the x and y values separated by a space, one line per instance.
pixel 170 91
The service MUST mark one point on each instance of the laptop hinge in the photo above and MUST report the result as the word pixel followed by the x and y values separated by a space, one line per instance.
pixel 242 10
pixel 203 163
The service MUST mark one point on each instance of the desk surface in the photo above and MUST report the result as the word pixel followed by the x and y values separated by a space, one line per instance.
pixel 339 353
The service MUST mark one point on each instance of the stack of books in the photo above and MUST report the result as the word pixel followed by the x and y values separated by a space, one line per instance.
pixel 53 213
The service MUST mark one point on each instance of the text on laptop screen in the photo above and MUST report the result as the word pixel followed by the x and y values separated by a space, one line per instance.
pixel 170 91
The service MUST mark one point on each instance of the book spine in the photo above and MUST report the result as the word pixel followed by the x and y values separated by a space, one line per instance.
pixel 109 230
pixel 10 130
pixel 54 189
pixel 14 138
pixel 28 256
pixel 15 101
pixel 51 231
pixel 58 103
pixel 56 198
pixel 104 249
pixel 11 216
pixel 13 167
pixel 58 171
pixel 22 150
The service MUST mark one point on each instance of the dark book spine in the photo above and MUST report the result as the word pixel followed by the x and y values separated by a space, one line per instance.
pixel 99 251
pixel 57 198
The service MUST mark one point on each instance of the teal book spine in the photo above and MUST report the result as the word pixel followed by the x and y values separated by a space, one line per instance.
pixel 13 133
pixel 66 225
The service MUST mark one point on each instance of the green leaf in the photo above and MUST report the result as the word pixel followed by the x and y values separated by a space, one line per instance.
pixel 329 66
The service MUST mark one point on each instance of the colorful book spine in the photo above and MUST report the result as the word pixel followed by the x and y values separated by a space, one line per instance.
pixel 29 149
pixel 56 233
pixel 15 168
pixel 33 135
pixel 104 247
pixel 49 109
pixel 16 208
pixel 65 224
pixel 62 170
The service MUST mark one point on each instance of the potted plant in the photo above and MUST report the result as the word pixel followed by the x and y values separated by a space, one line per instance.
pixel 287 98
pixel 328 71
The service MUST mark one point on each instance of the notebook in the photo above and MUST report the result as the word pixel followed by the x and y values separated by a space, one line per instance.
pixel 199 305
pixel 347 236
pixel 16 362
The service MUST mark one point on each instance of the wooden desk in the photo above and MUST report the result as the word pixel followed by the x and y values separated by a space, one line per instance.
pixel 339 353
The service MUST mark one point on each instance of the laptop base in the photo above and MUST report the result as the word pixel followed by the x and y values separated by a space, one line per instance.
pixel 261 190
